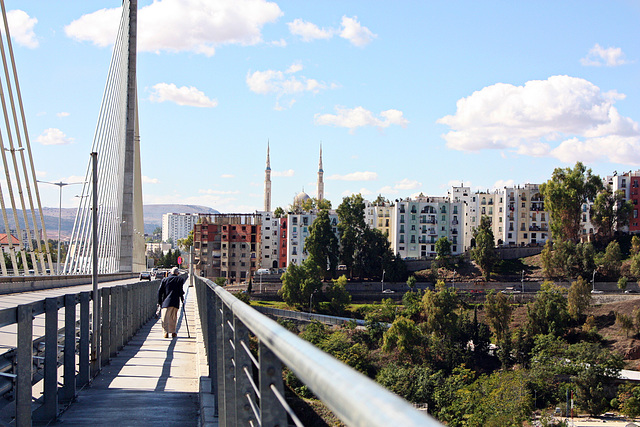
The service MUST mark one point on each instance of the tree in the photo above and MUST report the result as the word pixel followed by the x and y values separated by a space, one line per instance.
pixel 324 204
pixel 299 282
pixel 484 252
pixel 611 260
pixel 352 227
pixel 548 313
pixel 322 244
pixel 405 337
pixel 380 201
pixel 622 283
pixel 628 400
pixel 625 322
pixel 610 212
pixel 411 282
pixel 279 212
pixel 498 314
pixel 635 245
pixel 579 298
pixel 338 296
pixel 187 242
pixel 564 194
pixel 439 309
pixel 443 251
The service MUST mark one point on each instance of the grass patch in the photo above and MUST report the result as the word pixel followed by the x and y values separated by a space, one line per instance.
pixel 273 304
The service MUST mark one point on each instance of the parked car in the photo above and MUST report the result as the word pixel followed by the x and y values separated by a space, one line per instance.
pixel 161 275
pixel 596 291
pixel 145 275
pixel 388 291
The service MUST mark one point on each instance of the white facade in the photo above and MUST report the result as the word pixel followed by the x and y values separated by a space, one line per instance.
pixel 298 230
pixel 269 240
pixel 421 222
pixel 177 226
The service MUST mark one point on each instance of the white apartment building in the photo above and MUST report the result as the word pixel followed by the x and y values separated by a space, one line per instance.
pixel 177 226
pixel 421 222
pixel 269 240
pixel 380 217
pixel 298 230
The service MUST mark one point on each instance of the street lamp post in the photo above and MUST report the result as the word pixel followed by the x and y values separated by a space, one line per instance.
pixel 522 281
pixel 382 282
pixel 593 281
pixel 454 279
pixel 60 185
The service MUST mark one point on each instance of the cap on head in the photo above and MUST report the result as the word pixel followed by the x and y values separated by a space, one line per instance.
pixel 174 271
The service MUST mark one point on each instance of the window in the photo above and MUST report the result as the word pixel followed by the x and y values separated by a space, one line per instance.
pixel 524 205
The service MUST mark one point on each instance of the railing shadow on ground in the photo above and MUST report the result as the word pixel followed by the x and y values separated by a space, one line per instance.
pixel 248 385
pixel 75 349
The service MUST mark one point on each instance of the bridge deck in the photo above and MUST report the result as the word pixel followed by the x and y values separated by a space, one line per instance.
pixel 152 381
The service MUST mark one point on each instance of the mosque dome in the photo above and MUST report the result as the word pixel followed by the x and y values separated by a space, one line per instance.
pixel 300 198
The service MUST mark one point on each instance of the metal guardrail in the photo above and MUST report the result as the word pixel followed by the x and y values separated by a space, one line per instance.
pixel 123 310
pixel 243 401
pixel 300 315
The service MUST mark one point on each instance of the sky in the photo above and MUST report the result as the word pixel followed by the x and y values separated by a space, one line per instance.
pixel 403 97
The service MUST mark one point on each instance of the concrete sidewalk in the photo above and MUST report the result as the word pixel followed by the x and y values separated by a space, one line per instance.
pixel 152 381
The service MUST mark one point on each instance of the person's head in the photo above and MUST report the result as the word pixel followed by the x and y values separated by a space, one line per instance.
pixel 174 271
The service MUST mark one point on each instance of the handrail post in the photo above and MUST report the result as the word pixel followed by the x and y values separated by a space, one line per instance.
pixel 272 413
pixel 228 371
pixel 212 340
pixel 50 404
pixel 105 335
pixel 69 371
pixel 244 392
pixel 84 366
pixel 24 368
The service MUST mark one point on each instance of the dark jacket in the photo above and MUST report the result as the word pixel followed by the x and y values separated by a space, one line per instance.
pixel 170 292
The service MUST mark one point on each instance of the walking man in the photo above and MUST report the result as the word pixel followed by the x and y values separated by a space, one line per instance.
pixel 170 293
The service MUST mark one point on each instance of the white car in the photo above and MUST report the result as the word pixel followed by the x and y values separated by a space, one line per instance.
pixel 595 291
pixel 388 291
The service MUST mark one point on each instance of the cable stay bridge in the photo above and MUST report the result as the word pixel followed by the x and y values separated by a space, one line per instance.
pixel 94 354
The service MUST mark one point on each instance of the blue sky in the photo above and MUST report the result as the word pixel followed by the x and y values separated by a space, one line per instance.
pixel 405 97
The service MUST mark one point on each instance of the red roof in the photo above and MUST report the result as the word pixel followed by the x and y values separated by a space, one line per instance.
pixel 5 242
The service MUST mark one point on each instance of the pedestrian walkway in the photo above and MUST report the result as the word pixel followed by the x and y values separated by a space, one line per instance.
pixel 152 381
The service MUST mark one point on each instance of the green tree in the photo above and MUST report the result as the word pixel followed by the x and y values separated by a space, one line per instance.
pixel 322 244
pixel 548 313
pixel 338 296
pixel 484 253
pixel 635 245
pixel 564 194
pixel 351 227
pixel 405 337
pixel 443 251
pixel 411 282
pixel 439 309
pixel 324 204
pixel 628 400
pixel 622 283
pixel 610 212
pixel 279 212
pixel 579 298
pixel 611 260
pixel 187 242
pixel 625 322
pixel 299 282
pixel 634 267
pixel 498 315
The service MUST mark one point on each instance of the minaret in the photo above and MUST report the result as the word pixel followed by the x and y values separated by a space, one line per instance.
pixel 320 174
pixel 267 183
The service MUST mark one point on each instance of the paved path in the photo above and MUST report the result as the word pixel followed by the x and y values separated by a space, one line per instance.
pixel 152 381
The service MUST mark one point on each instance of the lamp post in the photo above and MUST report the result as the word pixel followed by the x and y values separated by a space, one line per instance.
pixel 522 281
pixel 454 279
pixel 593 281
pixel 382 282
pixel 60 185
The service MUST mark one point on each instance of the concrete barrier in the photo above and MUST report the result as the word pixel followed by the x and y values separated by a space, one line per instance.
pixel 16 284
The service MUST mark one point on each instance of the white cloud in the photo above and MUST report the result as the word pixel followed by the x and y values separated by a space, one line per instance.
pixel 501 183
pixel 218 192
pixel 363 191
pixel 308 31
pixel 598 56
pixel 407 184
pixel 181 95
pixel 355 176
pixel 227 175
pixel 286 173
pixel 183 25
pixel 53 136
pixel 359 117
pixel 63 114
pixel 354 32
pixel 21 28
pixel 147 180
pixel 283 84
pixel 563 117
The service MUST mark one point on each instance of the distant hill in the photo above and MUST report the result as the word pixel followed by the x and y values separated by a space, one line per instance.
pixel 152 218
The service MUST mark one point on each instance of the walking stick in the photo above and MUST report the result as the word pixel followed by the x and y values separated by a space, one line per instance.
pixel 184 314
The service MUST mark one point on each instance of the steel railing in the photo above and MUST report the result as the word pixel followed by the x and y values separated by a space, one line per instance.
pixel 248 386
pixel 123 310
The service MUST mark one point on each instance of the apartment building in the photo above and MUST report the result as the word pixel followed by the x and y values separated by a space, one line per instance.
pixel 270 243
pixel 228 245
pixel 422 221
pixel 380 216
pixel 298 230
pixel 177 226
